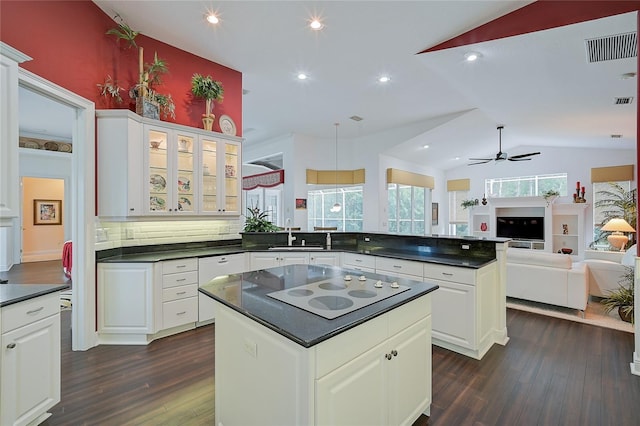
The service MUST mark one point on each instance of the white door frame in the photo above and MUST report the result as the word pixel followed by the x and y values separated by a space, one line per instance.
pixel 82 193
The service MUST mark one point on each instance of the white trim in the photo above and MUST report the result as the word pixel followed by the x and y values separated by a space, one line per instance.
pixel 82 196
pixel 13 53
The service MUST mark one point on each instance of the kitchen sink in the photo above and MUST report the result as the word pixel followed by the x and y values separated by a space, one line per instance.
pixel 282 248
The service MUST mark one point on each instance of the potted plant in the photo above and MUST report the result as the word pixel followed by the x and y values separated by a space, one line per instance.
pixel 110 89
pixel 550 195
pixel 258 221
pixel 622 297
pixel 469 203
pixel 210 90
pixel 612 203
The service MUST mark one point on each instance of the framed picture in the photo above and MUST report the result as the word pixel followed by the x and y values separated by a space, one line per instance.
pixel 47 212
pixel 301 203
pixel 434 214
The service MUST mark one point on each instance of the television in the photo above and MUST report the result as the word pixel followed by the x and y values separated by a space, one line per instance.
pixel 520 228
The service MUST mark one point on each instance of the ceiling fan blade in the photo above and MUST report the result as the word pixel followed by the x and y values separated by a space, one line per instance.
pixel 480 162
pixel 519 159
pixel 524 155
pixel 480 159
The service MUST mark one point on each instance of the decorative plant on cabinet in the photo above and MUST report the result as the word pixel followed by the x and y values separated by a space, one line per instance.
pixel 210 90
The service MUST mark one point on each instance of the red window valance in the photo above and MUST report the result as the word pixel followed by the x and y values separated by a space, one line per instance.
pixel 265 180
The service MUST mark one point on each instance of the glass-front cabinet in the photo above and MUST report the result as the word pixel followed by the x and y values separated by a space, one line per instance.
pixel 170 156
pixel 150 168
pixel 220 176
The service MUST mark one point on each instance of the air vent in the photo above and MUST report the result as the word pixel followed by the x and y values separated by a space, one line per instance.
pixel 608 48
pixel 616 136
pixel 356 118
pixel 623 101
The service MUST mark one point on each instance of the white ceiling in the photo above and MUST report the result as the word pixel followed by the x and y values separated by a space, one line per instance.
pixel 538 85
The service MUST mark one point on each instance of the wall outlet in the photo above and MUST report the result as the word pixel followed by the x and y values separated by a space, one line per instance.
pixel 101 235
pixel 131 234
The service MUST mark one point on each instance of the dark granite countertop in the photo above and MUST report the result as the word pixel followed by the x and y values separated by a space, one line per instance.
pixel 15 293
pixel 450 260
pixel 247 293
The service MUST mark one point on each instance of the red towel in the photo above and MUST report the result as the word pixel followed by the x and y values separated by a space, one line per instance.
pixel 67 250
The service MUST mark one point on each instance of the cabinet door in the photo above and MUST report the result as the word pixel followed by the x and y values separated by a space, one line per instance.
pixel 125 298
pixel 185 173
pixel 211 267
pixel 409 374
pixel 30 371
pixel 229 190
pixel 264 260
pixel 293 258
pixel 454 313
pixel 342 394
pixel 332 259
pixel 160 184
pixel 208 202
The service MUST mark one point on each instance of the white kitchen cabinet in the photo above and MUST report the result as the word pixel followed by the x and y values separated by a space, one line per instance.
pixel 359 262
pixel 399 268
pixel 209 268
pixel 272 259
pixel 30 360
pixel 464 315
pixel 383 364
pixel 324 258
pixel 153 168
pixel 139 302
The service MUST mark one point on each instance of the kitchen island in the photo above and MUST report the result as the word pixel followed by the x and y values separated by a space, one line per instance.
pixel 281 364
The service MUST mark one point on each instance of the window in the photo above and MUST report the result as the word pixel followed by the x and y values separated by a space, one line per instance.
pixel 320 201
pixel 525 186
pixel 406 209
pixel 458 216
pixel 267 200
pixel 616 195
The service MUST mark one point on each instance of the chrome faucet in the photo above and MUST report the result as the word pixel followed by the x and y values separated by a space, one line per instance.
pixel 290 238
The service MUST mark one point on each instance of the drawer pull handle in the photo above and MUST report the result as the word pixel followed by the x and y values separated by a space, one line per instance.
pixel 35 311
pixel 181 313
pixel 394 352
pixel 447 274
pixel 180 292
pixel 11 345
pixel 397 266
pixel 387 356
pixel 223 260
pixel 181 266
pixel 358 260
pixel 181 279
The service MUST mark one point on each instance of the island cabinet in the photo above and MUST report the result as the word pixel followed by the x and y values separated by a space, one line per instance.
pixel 465 317
pixel 377 373
pixel 324 258
pixel 208 269
pixel 400 268
pixel 271 259
pixel 30 360
pixel 152 168
pixel 139 302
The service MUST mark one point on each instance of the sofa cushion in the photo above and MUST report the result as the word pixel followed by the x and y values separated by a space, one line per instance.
pixel 538 258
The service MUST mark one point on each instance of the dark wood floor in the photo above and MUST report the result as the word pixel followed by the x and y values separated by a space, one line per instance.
pixel 552 372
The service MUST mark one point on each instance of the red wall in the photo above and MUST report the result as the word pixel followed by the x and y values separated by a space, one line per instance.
pixel 69 47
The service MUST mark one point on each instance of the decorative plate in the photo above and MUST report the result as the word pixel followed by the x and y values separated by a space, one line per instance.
pixel 227 125
pixel 32 145
pixel 51 146
pixel 64 147
pixel 184 204
pixel 158 183
pixel 184 184
pixel 156 203
pixel 229 171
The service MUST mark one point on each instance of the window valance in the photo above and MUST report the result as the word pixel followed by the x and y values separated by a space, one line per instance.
pixel 264 180
pixel 612 174
pixel 458 185
pixel 403 177
pixel 335 177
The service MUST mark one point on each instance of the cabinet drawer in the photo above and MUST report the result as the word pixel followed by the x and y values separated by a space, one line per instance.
pixel 396 266
pixel 183 278
pixel 360 260
pixel 449 273
pixel 179 312
pixel 180 265
pixel 180 292
pixel 23 313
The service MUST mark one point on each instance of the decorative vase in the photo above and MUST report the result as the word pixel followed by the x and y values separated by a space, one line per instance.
pixel 147 108
pixel 483 226
pixel 207 121
pixel 626 317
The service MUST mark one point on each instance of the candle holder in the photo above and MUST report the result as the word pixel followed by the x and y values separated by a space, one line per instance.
pixel 578 197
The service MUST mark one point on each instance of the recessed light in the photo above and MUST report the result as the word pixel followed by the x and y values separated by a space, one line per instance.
pixel 472 56
pixel 302 76
pixel 457 158
pixel 316 25
pixel 212 18
pixel 384 79
pixel 425 146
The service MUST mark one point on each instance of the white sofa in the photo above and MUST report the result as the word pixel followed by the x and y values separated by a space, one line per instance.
pixel 544 277
pixel 606 269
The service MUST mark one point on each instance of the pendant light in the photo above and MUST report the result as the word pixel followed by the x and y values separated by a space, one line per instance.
pixel 336 207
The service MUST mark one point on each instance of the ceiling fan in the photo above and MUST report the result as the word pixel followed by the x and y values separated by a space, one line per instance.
pixel 502 156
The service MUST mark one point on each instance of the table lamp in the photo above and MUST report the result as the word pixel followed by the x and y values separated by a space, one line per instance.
pixel 617 226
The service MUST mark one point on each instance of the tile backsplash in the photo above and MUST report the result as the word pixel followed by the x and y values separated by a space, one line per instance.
pixel 126 234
